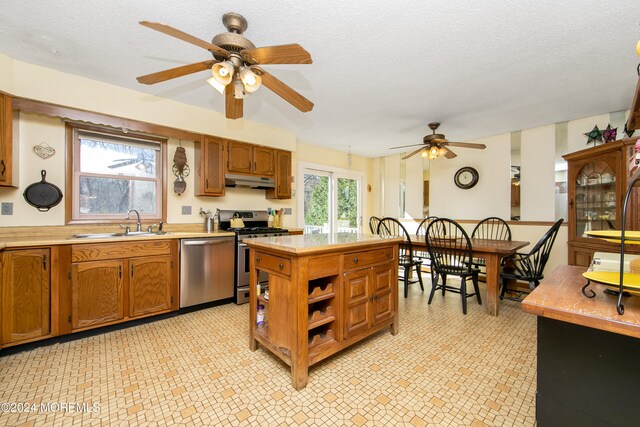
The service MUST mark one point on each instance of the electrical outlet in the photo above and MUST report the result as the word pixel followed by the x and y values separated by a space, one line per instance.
pixel 186 210
pixel 7 208
pixel 287 211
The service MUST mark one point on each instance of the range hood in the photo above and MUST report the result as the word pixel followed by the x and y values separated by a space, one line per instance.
pixel 232 180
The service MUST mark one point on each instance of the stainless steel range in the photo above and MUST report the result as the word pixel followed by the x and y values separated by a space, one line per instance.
pixel 254 224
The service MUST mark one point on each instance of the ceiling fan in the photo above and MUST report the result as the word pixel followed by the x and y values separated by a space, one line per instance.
pixel 436 145
pixel 235 66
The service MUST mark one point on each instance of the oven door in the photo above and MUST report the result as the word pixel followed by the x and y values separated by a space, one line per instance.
pixel 243 273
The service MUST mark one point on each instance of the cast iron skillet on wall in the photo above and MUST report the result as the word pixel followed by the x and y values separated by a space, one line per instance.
pixel 42 195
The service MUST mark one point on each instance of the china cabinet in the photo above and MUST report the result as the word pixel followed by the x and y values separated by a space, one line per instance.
pixel 597 180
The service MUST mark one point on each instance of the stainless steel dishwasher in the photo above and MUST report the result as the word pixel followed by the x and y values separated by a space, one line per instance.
pixel 206 270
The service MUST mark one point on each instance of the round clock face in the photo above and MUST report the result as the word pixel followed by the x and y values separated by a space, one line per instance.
pixel 466 177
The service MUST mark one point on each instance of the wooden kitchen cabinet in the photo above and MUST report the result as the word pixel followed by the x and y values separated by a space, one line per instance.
pixel 25 295
pixel 250 159
pixel 597 181
pixel 6 141
pixel 209 157
pixel 325 294
pixel 282 189
pixel 97 293
pixel 149 285
pixel 116 282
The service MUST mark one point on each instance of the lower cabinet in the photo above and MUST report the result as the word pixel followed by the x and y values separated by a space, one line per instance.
pixel 368 298
pixel 25 295
pixel 97 293
pixel 107 287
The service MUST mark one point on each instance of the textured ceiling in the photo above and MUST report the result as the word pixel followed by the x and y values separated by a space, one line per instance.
pixel 381 70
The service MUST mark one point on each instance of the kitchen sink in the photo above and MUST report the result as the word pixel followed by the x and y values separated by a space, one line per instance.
pixel 108 235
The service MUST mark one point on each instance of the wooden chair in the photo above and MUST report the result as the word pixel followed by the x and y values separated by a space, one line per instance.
pixel 492 228
pixel 373 224
pixel 406 260
pixel 450 250
pixel 529 267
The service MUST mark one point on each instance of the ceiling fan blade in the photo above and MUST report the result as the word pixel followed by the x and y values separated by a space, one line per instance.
pixel 170 31
pixel 414 153
pixel 282 54
pixel 467 145
pixel 405 146
pixel 448 153
pixel 172 73
pixel 233 105
pixel 284 91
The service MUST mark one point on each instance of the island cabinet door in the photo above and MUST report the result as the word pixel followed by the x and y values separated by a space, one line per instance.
pixel 25 296
pixel 97 293
pixel 149 285
pixel 357 307
pixel 381 299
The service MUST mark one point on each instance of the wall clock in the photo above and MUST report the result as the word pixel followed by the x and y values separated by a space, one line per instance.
pixel 466 177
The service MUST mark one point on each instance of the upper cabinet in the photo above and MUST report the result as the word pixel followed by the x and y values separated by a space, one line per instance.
pixel 282 189
pixel 6 142
pixel 250 159
pixel 210 160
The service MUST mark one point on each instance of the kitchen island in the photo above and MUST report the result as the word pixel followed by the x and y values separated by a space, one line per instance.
pixel 587 353
pixel 326 292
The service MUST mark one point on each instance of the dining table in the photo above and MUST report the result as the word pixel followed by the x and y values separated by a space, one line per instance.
pixel 492 251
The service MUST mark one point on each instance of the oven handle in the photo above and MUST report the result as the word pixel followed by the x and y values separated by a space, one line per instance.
pixel 204 242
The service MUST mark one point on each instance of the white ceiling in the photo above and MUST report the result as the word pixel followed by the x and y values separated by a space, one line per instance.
pixel 381 69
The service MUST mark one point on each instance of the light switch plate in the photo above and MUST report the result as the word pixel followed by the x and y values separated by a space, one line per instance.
pixel 7 208
pixel 186 210
pixel 287 211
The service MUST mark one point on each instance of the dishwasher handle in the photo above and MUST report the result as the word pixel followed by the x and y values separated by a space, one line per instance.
pixel 205 242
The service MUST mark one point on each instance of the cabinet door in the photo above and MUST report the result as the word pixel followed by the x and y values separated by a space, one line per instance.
pixel 212 167
pixel 240 157
pixel 382 301
pixel 96 293
pixel 356 302
pixel 6 140
pixel 282 177
pixel 149 285
pixel 26 298
pixel 263 161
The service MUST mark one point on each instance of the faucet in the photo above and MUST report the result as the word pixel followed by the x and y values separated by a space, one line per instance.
pixel 138 224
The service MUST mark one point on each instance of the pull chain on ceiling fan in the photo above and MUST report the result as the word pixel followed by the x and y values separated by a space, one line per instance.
pixel 235 69
pixel 436 145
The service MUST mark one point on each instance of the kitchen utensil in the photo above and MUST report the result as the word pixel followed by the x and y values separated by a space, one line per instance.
pixel 42 195
pixel 236 221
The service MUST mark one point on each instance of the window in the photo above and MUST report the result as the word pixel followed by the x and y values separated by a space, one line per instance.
pixel 114 172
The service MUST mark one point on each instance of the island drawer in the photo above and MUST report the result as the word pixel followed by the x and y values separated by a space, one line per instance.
pixel 361 259
pixel 273 264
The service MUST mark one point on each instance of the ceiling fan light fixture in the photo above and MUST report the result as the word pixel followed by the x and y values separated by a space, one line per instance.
pixel 223 72
pixel 216 84
pixel 238 89
pixel 250 80
pixel 434 152
pixel 424 153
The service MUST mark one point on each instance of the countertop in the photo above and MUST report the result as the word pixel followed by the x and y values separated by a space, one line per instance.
pixel 316 243
pixel 68 239
pixel 559 297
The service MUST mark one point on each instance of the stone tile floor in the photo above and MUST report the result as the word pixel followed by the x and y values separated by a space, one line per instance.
pixel 442 369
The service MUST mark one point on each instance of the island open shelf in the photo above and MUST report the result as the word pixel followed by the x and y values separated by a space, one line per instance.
pixel 326 292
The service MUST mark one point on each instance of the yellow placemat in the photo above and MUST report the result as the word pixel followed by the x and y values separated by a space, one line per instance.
pixel 612 278
pixel 614 234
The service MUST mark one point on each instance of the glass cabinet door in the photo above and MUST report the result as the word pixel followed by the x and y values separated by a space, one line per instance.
pixel 595 198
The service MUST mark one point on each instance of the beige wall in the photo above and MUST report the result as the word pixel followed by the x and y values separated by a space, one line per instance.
pixel 34 82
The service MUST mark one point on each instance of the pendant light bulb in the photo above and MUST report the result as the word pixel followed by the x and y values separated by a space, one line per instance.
pixel 222 72
pixel 424 154
pixel 250 80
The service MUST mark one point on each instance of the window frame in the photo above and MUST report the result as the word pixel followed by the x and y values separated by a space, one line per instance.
pixel 72 205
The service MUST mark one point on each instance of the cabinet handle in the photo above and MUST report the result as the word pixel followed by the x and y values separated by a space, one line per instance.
pixel 388 254
pixel 120 271
pixel 257 259
pixel 281 266
pixel 570 203
pixel 44 263
pixel 206 183
pixel 355 260
pixel 132 271
pixel 4 167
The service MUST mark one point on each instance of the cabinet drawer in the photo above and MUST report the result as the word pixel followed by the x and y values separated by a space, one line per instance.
pixel 366 258
pixel 273 264
pixel 104 251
